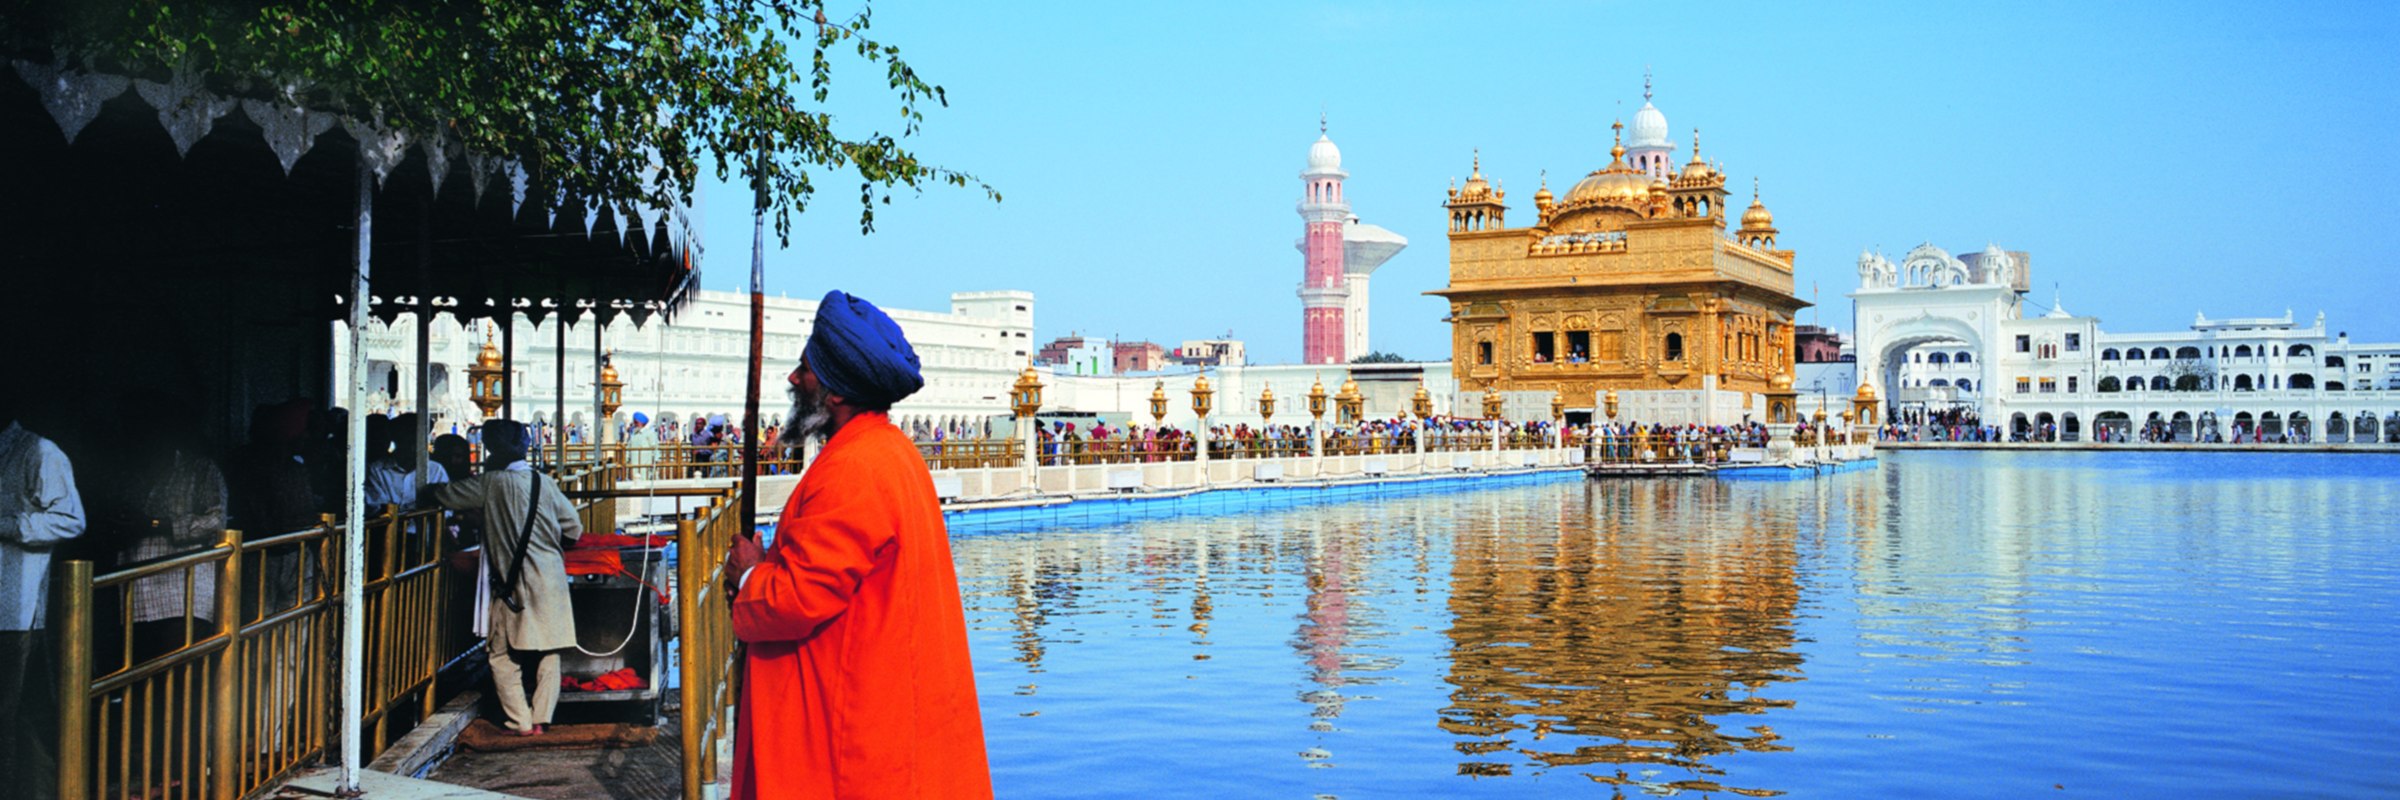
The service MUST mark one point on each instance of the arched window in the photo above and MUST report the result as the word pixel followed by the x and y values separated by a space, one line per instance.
pixel 1941 382
pixel 2242 351
pixel 2334 386
pixel 2109 384
pixel 2333 361
pixel 1963 357
pixel 2299 350
pixel 2303 381
pixel 1938 358
pixel 2187 383
pixel 2159 384
pixel 1965 386
pixel 2241 383
pixel 2109 354
pixel 2187 352
pixel 2134 354
pixel 2158 354
pixel 1674 347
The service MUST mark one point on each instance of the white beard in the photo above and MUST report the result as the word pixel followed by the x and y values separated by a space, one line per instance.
pixel 807 420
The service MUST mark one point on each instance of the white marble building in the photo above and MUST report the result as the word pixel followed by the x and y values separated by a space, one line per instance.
pixel 1937 332
pixel 971 354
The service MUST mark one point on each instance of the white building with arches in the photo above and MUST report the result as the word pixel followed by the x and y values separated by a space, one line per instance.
pixel 1936 332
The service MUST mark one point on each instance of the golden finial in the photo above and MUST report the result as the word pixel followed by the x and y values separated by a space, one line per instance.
pixel 1478 173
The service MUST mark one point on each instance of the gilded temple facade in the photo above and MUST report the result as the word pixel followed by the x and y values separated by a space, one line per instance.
pixel 1631 282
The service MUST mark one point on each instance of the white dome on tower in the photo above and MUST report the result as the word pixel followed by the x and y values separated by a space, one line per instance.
pixel 1649 128
pixel 1323 155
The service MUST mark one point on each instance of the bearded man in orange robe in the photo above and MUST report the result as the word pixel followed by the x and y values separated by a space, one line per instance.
pixel 858 682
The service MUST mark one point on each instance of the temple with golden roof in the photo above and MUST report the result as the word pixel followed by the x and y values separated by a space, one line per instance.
pixel 1631 283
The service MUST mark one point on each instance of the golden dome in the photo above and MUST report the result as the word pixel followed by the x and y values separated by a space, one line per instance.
pixel 489 358
pixel 608 368
pixel 1614 185
pixel 1866 392
pixel 1542 197
pixel 1781 382
pixel 1349 387
pixel 1757 216
pixel 1477 189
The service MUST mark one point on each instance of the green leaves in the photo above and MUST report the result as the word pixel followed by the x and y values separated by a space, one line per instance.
pixel 596 94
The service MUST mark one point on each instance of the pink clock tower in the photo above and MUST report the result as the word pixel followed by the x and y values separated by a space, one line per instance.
pixel 1324 287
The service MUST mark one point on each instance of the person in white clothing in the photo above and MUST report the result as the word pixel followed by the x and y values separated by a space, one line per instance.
pixel 39 509
pixel 392 479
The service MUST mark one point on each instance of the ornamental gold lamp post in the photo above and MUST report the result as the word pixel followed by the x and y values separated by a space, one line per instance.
pixel 1865 401
pixel 483 377
pixel 1158 405
pixel 1422 404
pixel 612 397
pixel 1026 398
pixel 1266 410
pixel 1346 412
pixel 1316 425
pixel 1202 400
pixel 1491 411
pixel 1782 412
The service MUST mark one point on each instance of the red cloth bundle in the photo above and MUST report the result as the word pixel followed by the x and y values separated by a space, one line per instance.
pixel 615 681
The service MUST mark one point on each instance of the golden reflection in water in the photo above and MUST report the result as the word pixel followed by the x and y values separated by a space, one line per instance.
pixel 1603 627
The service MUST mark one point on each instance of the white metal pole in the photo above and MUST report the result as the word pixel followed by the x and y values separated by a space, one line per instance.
pixel 354 500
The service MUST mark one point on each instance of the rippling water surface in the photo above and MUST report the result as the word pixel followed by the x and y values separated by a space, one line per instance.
pixel 1953 624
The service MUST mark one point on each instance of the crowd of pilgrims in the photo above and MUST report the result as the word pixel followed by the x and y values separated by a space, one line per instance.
pixel 1065 442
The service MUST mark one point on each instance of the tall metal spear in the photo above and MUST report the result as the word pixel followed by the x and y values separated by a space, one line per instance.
pixel 758 319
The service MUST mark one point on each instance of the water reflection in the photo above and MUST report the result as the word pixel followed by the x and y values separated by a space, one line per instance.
pixel 1599 642
pixel 2003 621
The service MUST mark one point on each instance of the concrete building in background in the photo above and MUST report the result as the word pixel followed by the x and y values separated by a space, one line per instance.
pixel 1211 353
pixel 1078 355
pixel 1139 357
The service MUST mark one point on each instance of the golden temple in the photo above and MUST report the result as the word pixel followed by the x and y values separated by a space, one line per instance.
pixel 1630 282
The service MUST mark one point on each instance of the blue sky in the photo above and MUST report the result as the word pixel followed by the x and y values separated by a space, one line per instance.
pixel 2156 158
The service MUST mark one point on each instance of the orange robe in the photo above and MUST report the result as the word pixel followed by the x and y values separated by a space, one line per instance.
pixel 859 683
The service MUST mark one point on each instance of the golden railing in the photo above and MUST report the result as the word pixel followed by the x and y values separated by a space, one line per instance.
pixel 708 656
pixel 416 605
pixel 228 709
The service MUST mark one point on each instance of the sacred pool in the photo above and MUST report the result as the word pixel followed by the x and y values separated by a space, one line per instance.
pixel 1961 624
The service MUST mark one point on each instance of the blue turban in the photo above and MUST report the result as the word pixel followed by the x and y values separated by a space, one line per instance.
pixel 858 352
pixel 640 418
pixel 506 441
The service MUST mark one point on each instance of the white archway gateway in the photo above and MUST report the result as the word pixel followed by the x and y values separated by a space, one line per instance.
pixel 1934 302
pixel 1934 324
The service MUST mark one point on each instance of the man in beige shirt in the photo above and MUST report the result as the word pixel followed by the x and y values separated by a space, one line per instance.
pixel 542 620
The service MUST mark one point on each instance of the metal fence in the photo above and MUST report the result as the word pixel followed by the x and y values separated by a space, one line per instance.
pixel 226 697
pixel 212 674
pixel 708 655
